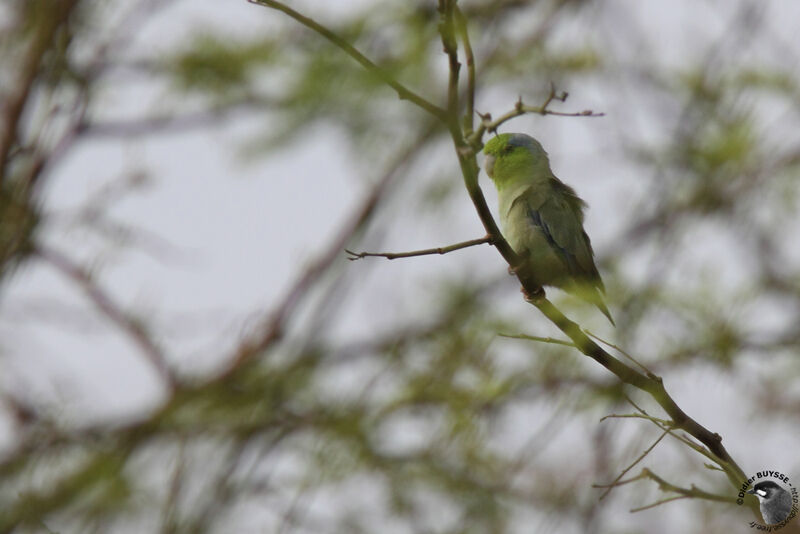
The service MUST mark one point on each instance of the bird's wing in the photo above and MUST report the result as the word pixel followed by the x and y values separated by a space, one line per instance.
pixel 560 217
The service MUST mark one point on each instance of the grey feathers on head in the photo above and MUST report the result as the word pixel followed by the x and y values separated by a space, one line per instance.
pixel 525 140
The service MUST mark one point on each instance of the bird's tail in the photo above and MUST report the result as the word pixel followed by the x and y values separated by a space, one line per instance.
pixel 602 306
pixel 592 295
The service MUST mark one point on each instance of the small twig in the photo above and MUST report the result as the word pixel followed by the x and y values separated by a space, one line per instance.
pixel 425 252
pixel 630 401
pixel 659 503
pixel 654 386
pixel 615 347
pixel 461 24
pixel 692 445
pixel 551 340
pixel 632 465
pixel 520 108
pixel 619 483
pixel 552 96
pixel 713 467
pixel 448 36
pixel 662 424
pixel 692 492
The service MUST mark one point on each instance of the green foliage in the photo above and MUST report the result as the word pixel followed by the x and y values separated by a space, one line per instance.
pixel 777 81
pixel 220 67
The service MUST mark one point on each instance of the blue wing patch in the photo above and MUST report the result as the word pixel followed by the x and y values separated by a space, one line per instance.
pixel 566 255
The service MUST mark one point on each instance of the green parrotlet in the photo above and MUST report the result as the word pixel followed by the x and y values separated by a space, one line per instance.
pixel 542 218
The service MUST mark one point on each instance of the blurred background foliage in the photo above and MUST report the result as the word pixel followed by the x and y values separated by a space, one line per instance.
pixel 425 420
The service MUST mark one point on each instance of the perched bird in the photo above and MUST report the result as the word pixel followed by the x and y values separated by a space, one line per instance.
pixel 775 502
pixel 542 218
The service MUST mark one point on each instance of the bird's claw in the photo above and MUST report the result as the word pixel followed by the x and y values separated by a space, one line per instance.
pixel 534 296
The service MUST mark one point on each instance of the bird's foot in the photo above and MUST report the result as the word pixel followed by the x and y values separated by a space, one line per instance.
pixel 533 296
pixel 516 270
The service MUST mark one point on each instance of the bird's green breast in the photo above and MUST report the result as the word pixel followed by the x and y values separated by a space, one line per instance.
pixel 526 238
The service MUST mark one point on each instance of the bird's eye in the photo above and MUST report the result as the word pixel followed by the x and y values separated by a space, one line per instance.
pixel 507 149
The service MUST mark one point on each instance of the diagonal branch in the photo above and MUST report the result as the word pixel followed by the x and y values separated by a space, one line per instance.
pixel 448 35
pixel 402 91
pixel 112 311
pixel 461 25
pixel 649 383
pixel 14 102
pixel 664 425
pixel 641 457
pixel 644 369
pixel 692 492
pixel 550 340
pixel 425 252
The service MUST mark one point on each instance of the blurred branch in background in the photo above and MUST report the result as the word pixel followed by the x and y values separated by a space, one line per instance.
pixel 128 324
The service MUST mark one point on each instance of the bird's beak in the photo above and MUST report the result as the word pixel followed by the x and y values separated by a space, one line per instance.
pixel 751 491
pixel 488 164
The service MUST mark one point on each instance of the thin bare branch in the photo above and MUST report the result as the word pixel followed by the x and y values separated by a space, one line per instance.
pixel 461 25
pixel 402 91
pixel 424 252
pixel 664 425
pixel 650 384
pixel 465 151
pixel 633 464
pixel 550 340
pixel 692 492
pixel 624 353
pixel 448 35
pixel 659 503
pixel 520 108
pixel 659 422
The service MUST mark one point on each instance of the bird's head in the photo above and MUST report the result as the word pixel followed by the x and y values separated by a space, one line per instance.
pixel 507 153
pixel 765 490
